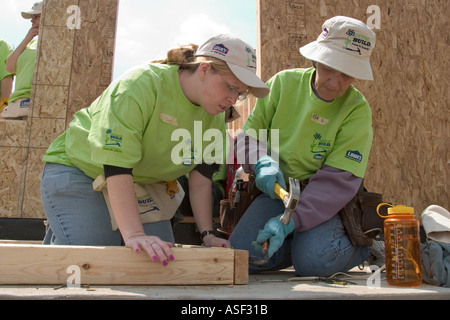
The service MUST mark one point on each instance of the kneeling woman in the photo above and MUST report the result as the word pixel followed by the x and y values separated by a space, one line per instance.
pixel 125 135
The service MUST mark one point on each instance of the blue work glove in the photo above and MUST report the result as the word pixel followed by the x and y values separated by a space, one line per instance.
pixel 268 172
pixel 275 232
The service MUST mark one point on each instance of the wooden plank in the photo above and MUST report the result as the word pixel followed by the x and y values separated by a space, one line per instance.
pixel 25 264
pixel 240 267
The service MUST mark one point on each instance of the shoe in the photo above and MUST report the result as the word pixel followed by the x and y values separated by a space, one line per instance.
pixel 377 255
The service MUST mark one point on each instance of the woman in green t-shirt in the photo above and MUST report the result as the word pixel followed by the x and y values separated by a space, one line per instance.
pixel 323 130
pixel 131 134
pixel 21 63
pixel 6 78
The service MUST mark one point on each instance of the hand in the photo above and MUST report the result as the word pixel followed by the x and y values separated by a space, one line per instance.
pixel 267 173
pixel 275 232
pixel 212 241
pixel 157 249
pixel 33 32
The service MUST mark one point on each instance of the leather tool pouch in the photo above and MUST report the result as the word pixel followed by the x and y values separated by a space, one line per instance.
pixel 360 219
pixel 233 208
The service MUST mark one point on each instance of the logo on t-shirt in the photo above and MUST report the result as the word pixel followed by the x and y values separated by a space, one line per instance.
pixel 354 155
pixel 320 146
pixel 113 142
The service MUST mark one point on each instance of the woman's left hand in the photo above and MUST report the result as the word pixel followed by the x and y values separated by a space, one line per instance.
pixel 212 241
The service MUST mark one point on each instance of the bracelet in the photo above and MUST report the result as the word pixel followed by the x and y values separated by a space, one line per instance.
pixel 205 233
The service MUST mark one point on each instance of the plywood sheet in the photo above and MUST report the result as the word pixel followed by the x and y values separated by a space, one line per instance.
pixel 73 66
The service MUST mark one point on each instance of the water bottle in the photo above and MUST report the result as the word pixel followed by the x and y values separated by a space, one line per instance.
pixel 402 247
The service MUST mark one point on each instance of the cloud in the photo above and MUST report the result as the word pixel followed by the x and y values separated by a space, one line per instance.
pixel 145 37
pixel 199 28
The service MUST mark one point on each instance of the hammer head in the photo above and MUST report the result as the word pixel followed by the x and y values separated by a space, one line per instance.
pixel 291 200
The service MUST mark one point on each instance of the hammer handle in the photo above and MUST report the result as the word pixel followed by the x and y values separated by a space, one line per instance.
pixel 279 191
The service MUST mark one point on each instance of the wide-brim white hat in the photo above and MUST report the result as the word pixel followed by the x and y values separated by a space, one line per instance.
pixel 345 45
pixel 240 58
pixel 35 9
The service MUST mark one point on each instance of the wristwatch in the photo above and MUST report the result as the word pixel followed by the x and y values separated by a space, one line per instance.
pixel 205 233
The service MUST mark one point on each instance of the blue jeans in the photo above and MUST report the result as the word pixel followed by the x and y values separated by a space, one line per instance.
pixel 321 251
pixel 78 215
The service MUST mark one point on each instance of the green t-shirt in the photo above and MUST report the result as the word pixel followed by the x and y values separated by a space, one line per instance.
pixel 5 51
pixel 24 72
pixel 313 132
pixel 142 121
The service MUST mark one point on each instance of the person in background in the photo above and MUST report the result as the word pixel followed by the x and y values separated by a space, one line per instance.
pixel 127 135
pixel 325 136
pixel 6 78
pixel 21 62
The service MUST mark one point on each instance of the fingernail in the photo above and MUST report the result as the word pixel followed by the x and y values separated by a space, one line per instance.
pixel 137 250
pixel 155 258
pixel 164 263
pixel 171 258
pixel 224 245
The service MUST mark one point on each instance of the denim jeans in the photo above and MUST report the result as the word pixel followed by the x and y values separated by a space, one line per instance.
pixel 78 215
pixel 321 251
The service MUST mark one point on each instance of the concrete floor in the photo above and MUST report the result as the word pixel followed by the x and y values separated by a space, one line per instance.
pixel 263 287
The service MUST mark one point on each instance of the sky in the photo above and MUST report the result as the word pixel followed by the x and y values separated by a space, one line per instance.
pixel 146 29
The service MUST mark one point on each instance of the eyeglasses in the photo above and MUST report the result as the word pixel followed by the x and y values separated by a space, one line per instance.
pixel 235 91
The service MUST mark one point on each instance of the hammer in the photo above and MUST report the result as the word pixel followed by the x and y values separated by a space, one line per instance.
pixel 290 200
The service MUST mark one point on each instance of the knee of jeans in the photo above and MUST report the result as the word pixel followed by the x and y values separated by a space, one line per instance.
pixel 310 262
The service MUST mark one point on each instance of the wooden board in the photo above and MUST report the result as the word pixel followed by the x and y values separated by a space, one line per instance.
pixel 30 264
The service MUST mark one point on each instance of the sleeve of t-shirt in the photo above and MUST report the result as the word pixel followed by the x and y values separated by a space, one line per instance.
pixel 207 170
pixel 263 112
pixel 353 142
pixel 5 51
pixel 118 124
pixel 249 145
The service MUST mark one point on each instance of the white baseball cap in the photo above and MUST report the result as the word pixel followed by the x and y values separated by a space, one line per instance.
pixel 35 9
pixel 240 58
pixel 345 45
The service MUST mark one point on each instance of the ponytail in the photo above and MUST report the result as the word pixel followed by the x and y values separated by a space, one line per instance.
pixel 184 56
pixel 180 56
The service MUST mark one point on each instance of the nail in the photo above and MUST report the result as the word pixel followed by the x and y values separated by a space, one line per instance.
pixel 137 250
pixel 164 263
pixel 155 258
pixel 224 245
pixel 171 258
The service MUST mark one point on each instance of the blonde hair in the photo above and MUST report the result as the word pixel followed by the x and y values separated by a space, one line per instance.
pixel 184 56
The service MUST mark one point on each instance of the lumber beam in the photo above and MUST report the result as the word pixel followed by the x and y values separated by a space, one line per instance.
pixel 30 264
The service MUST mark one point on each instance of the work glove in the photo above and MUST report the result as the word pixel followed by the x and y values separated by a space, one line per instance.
pixel 268 172
pixel 275 232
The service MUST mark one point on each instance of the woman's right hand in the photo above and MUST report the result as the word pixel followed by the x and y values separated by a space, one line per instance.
pixel 157 249
pixel 33 32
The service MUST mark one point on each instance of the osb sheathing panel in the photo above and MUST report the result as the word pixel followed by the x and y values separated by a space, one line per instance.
pixel 409 97
pixel 73 66
pixel 11 163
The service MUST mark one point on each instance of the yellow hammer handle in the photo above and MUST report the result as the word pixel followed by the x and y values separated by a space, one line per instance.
pixel 279 191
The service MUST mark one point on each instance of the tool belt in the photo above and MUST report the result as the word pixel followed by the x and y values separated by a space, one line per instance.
pixel 239 199
pixel 156 201
pixel 361 222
